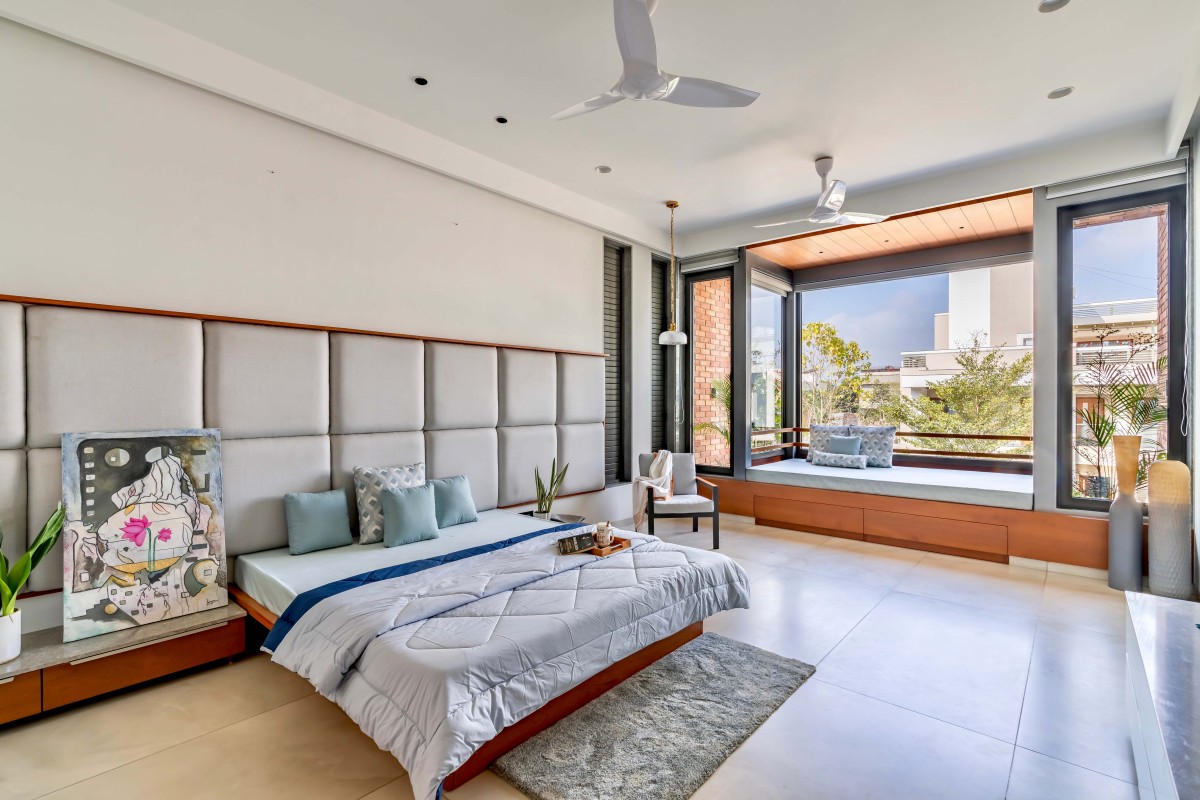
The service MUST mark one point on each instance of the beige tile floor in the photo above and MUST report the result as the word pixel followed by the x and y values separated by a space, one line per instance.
pixel 937 677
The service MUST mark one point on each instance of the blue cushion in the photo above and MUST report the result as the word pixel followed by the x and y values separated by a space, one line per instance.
pixel 408 515
pixel 844 445
pixel 316 521
pixel 452 501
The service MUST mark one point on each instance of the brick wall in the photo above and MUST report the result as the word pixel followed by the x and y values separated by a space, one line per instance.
pixel 712 346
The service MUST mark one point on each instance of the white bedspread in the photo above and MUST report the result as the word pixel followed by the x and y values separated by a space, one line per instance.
pixel 434 664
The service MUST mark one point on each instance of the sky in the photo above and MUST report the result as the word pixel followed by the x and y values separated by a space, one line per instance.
pixel 1112 262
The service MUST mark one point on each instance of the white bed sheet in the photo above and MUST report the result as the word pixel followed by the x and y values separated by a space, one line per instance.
pixel 275 577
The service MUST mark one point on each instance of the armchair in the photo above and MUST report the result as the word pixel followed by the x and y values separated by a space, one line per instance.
pixel 687 500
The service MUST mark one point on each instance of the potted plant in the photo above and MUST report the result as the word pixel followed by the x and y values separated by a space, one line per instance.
pixel 12 580
pixel 547 492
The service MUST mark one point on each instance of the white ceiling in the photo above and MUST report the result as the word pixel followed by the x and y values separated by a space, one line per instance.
pixel 894 90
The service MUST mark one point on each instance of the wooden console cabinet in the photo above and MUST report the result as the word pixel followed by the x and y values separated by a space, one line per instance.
pixel 50 674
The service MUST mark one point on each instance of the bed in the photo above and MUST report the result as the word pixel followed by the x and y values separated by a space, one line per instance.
pixel 452 651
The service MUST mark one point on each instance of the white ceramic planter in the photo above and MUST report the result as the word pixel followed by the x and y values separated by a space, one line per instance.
pixel 10 636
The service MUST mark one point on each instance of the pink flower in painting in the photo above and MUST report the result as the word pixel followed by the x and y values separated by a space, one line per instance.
pixel 135 530
pixel 164 534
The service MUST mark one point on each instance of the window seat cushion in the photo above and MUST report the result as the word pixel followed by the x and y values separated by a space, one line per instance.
pixel 996 489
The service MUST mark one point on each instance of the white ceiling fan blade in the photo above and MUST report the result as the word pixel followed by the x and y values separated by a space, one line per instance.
pixel 703 93
pixel 594 104
pixel 859 218
pixel 833 197
pixel 635 35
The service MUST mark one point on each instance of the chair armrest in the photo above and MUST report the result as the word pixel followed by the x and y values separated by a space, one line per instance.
pixel 700 481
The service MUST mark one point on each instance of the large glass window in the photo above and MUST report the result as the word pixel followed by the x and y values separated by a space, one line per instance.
pixel 711 343
pixel 766 365
pixel 947 358
pixel 1121 266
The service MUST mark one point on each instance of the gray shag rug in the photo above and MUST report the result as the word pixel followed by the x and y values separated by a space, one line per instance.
pixel 662 732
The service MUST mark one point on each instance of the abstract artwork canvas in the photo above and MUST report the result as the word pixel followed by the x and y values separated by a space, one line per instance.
pixel 144 539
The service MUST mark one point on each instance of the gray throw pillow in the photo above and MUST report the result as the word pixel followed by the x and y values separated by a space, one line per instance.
pixel 818 436
pixel 878 442
pixel 845 445
pixel 369 484
pixel 823 459
pixel 452 501
pixel 408 515
pixel 316 521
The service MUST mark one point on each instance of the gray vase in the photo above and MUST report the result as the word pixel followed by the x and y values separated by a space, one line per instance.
pixel 1125 519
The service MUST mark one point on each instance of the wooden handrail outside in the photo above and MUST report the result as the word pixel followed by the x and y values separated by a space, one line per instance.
pixel 989 437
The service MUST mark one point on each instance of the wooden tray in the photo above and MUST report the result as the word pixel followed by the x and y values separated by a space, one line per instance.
pixel 618 544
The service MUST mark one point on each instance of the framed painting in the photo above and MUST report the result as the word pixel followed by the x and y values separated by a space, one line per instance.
pixel 144 538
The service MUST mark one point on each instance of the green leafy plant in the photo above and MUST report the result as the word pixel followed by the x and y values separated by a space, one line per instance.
pixel 722 392
pixel 13 579
pixel 547 492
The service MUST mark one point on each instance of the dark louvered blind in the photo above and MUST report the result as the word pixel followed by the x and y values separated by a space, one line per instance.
pixel 658 356
pixel 614 341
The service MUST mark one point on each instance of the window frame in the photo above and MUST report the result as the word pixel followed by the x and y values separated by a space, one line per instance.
pixel 786 376
pixel 1175 198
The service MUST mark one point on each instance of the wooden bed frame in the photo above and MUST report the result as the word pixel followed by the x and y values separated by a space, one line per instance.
pixel 544 717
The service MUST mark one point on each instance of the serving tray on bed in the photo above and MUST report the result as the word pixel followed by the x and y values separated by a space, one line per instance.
pixel 618 544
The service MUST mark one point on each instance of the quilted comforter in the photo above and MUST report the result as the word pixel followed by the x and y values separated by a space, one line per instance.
pixel 434 663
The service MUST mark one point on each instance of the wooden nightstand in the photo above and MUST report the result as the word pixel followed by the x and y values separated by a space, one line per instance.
pixel 50 674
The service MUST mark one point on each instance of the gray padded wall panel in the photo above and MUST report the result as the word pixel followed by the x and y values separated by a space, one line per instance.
pixel 460 386
pixel 12 375
pixel 257 473
pixel 377 384
pixel 528 387
pixel 581 446
pixel 12 503
pixel 580 390
pixel 471 452
pixel 372 450
pixel 522 449
pixel 261 381
pixel 107 371
pixel 44 468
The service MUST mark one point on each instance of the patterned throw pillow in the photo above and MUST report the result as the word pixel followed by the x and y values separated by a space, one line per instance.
pixel 369 485
pixel 878 443
pixel 818 437
pixel 823 459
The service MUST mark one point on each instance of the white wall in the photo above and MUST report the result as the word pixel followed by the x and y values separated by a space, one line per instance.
pixel 124 187
pixel 970 306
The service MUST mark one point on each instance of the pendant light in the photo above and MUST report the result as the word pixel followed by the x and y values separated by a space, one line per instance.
pixel 672 336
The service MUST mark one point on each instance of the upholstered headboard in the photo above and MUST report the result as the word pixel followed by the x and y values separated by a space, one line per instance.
pixel 298 408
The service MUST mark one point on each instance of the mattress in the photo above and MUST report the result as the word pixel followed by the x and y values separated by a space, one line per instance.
pixel 275 577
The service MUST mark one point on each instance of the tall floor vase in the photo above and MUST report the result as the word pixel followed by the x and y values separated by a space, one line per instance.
pixel 1171 529
pixel 1125 519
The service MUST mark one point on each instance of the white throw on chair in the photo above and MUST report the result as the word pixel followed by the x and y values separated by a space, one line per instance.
pixel 686 500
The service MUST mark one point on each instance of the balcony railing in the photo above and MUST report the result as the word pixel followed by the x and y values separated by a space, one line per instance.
pixel 977 437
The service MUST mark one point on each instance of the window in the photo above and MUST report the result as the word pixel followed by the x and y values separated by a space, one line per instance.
pixel 711 344
pixel 944 357
pixel 659 319
pixel 766 365
pixel 616 338
pixel 1121 306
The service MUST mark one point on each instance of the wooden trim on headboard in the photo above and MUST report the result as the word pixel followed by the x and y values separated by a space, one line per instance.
pixel 41 301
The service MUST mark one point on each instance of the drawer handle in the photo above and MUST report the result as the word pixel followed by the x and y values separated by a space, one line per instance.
pixel 118 651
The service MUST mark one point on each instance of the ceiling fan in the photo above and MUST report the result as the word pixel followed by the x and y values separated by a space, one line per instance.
pixel 643 80
pixel 829 205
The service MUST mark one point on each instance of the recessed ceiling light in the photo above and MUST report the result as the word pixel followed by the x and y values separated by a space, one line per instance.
pixel 419 81
pixel 1061 92
pixel 502 120
pixel 1046 6
pixel 604 169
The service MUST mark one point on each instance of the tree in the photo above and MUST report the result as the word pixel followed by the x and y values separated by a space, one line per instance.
pixel 833 372
pixel 989 395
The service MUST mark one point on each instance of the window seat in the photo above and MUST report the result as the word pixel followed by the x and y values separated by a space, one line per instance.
pixel 995 489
